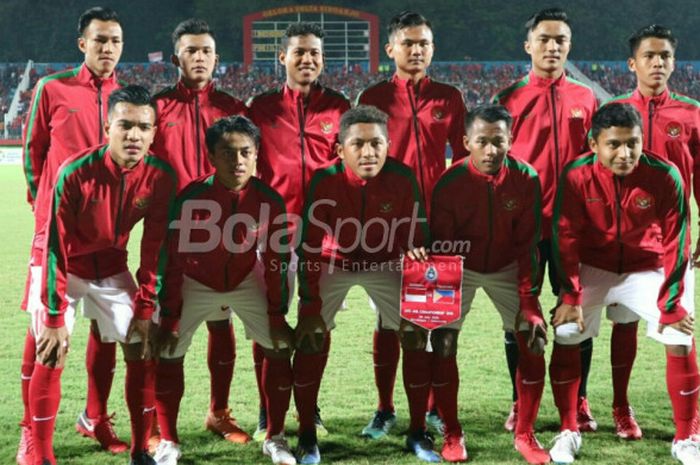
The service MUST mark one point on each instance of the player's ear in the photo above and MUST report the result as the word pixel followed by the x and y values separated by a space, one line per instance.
pixel 282 56
pixel 631 64
pixel 175 60
pixel 465 141
pixel 81 44
pixel 216 61
pixel 389 49
pixel 592 144
pixel 339 150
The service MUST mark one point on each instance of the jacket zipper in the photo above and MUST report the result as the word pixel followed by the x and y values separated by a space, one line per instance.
pixel 119 209
pixel 618 198
pixel 196 133
pixel 302 134
pixel 651 117
pixel 552 94
pixel 100 130
pixel 416 131
pixel 488 243
pixel 234 206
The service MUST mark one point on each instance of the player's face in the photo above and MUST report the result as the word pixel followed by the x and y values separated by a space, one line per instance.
pixel 234 159
pixel 618 148
pixel 102 44
pixel 130 129
pixel 548 46
pixel 196 57
pixel 412 50
pixel 303 60
pixel 653 64
pixel 488 144
pixel 364 149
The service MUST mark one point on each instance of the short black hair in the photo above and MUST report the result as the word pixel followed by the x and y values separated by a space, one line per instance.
pixel 406 19
pixel 236 123
pixel 193 26
pixel 362 114
pixel 489 113
pixel 133 94
pixel 652 30
pixel 96 12
pixel 301 29
pixel 621 115
pixel 548 14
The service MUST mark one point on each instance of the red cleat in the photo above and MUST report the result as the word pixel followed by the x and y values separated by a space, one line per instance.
pixel 222 423
pixel 512 419
pixel 102 431
pixel 626 425
pixel 584 417
pixel 454 449
pixel 530 448
pixel 25 451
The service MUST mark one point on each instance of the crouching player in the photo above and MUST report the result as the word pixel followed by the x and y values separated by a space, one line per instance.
pixel 496 231
pixel 97 198
pixel 620 234
pixel 361 213
pixel 223 220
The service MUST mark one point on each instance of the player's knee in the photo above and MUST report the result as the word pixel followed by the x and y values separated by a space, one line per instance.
pixel 219 324
pixel 315 347
pixel 280 354
pixel 678 350
pixel 412 341
pixel 50 360
pixel 444 342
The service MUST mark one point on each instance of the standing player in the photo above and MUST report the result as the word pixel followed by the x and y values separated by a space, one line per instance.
pixel 551 115
pixel 198 285
pixel 67 116
pixel 185 111
pixel 500 217
pixel 98 197
pixel 299 128
pixel 672 130
pixel 424 115
pixel 363 184
pixel 620 236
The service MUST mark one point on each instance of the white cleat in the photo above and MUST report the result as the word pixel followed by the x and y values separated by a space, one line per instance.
pixel 167 453
pixel 687 451
pixel 278 450
pixel 566 446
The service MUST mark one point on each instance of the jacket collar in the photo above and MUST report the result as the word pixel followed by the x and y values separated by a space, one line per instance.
pixel 406 85
pixel 292 96
pixel 116 170
pixel 490 178
pixel 188 94
pixel 660 99
pixel 545 82
pixel 85 76
pixel 220 187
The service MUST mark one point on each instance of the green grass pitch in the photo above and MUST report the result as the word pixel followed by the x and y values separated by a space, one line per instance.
pixel 347 396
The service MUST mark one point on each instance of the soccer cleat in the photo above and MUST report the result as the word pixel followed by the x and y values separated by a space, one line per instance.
pixel 142 458
pixel 421 444
pixel 512 419
pixel 530 448
pixel 626 425
pixel 380 425
pixel 101 430
pixel 687 451
pixel 154 437
pixel 25 450
pixel 167 453
pixel 222 423
pixel 454 449
pixel 321 430
pixel 566 446
pixel 261 431
pixel 307 452
pixel 278 450
pixel 433 420
pixel 584 417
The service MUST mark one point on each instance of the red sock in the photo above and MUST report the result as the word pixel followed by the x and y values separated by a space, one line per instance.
pixel 221 358
pixel 258 359
pixel 278 381
pixel 44 397
pixel 387 351
pixel 308 372
pixel 683 383
pixel 530 384
pixel 432 404
pixel 417 374
pixel 565 376
pixel 445 387
pixel 100 360
pixel 140 399
pixel 28 358
pixel 170 386
pixel 623 350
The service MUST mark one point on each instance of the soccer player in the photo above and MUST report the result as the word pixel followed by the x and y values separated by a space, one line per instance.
pixel 620 236
pixel 199 283
pixel 551 116
pixel 185 111
pixel 97 198
pixel 501 222
pixel 66 116
pixel 672 131
pixel 299 128
pixel 339 249
pixel 424 115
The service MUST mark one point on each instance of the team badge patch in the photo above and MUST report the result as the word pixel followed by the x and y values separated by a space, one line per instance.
pixel 438 114
pixel 326 127
pixel 141 202
pixel 674 129
pixel 431 274
pixel 643 202
pixel 385 207
pixel 576 112
pixel 510 204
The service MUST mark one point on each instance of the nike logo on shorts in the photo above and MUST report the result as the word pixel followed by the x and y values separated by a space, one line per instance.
pixel 688 393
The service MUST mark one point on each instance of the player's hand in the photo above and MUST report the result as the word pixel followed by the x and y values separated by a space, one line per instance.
pixel 420 335
pixel 537 337
pixel 307 328
pixel 282 337
pixel 418 253
pixel 143 329
pixel 52 346
pixel 685 326
pixel 566 313
pixel 696 255
pixel 164 339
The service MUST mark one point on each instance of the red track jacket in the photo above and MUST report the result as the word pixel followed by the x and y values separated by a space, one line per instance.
pixel 500 216
pixel 421 122
pixel 257 216
pixel 66 116
pixel 296 139
pixel 184 115
pixel 622 224
pixel 551 119
pixel 91 212
pixel 337 198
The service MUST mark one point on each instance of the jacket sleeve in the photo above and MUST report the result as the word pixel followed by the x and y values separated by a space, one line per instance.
pixel 36 139
pixel 676 242
pixel 170 273
pixel 414 233
pixel 275 257
pixel 442 217
pixel 456 131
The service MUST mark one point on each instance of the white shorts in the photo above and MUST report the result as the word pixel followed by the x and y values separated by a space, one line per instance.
pixel 629 297
pixel 108 301
pixel 201 303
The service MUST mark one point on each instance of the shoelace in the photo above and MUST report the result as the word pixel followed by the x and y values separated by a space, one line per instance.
pixel 624 418
pixel 107 423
